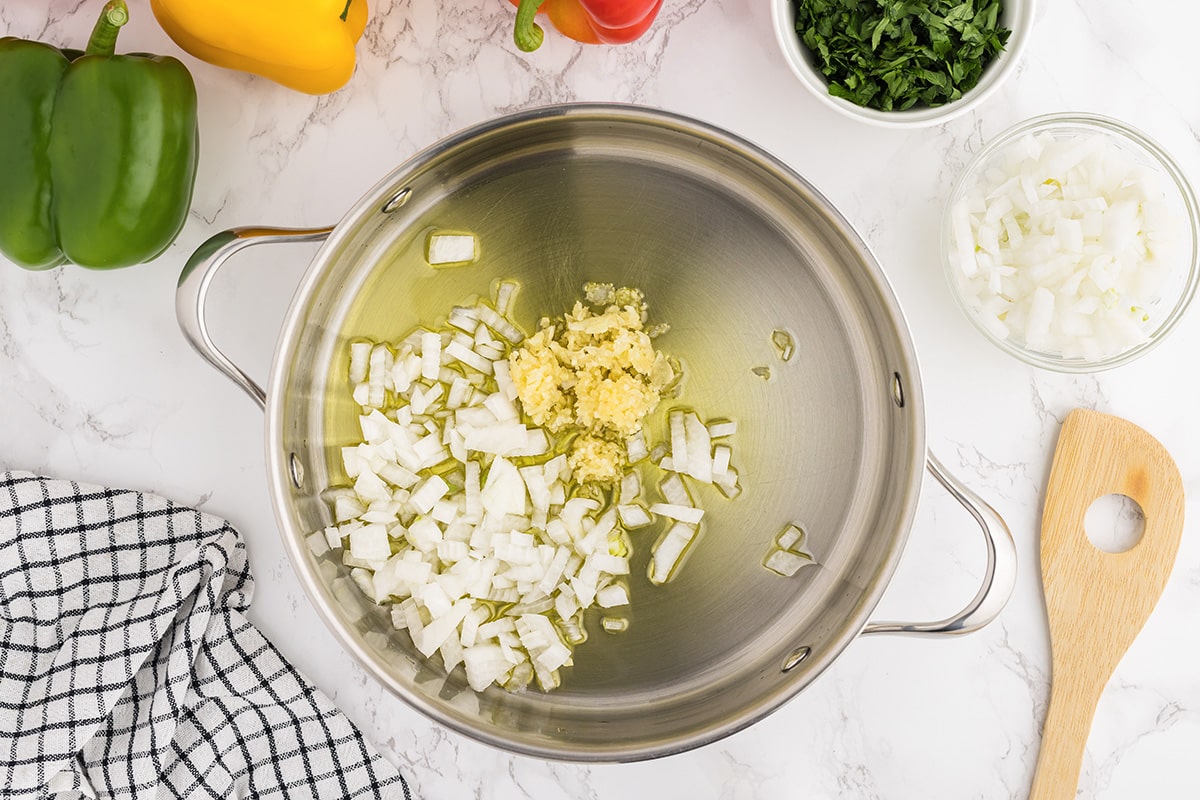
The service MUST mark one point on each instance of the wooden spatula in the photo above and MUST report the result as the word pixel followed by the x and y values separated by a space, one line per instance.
pixel 1097 601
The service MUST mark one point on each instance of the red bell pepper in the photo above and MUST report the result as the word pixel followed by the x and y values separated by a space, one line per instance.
pixel 587 21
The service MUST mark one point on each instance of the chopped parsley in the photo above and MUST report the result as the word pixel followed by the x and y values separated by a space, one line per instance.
pixel 896 54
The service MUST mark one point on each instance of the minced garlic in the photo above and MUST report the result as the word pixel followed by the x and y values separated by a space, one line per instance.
pixel 599 373
pixel 595 460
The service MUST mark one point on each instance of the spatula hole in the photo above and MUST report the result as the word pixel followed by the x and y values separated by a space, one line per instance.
pixel 1114 523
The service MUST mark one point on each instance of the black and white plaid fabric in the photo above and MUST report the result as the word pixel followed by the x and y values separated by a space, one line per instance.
pixel 127 669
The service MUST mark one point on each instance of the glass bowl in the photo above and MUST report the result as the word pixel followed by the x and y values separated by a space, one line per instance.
pixel 1175 265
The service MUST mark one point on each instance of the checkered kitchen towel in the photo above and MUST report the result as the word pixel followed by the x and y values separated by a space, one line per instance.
pixel 128 671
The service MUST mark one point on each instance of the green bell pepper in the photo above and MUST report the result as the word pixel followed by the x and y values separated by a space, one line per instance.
pixel 98 151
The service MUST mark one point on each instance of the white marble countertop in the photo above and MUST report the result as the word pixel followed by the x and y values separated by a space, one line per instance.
pixel 97 383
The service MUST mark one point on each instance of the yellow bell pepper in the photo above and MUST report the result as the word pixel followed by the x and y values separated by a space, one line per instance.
pixel 307 45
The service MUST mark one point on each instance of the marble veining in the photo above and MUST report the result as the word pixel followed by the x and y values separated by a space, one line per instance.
pixel 96 382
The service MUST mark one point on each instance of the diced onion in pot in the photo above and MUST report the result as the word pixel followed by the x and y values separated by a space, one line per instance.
pixel 674 491
pixel 468 521
pixel 634 516
pixel 370 543
pixel 728 484
pixel 699 449
pixel 506 292
pixel 360 354
pixel 444 249
pixel 423 498
pixel 679 454
pixel 631 487
pixel 635 447
pixel 489 316
pixel 319 544
pixel 789 552
pixel 669 550
pixel 612 595
pixel 719 429
pixel 464 318
pixel 431 354
pixel 687 514
pixel 785 562
pixel 720 463
pixel 333 537
pixel 466 355
pixel 791 535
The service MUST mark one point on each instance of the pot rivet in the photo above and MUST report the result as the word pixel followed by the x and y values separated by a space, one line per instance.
pixel 398 199
pixel 795 657
pixel 297 471
pixel 897 390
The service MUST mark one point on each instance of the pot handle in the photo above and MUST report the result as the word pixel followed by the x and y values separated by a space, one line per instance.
pixel 194 282
pixel 998 579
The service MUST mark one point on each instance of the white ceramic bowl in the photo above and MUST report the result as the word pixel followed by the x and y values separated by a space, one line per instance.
pixel 1017 16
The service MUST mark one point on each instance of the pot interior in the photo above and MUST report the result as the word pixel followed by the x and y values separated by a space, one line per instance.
pixel 729 247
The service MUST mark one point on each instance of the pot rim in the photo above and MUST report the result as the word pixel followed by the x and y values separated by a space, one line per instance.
pixel 279 469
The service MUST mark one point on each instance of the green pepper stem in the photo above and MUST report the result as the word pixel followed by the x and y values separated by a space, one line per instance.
pixel 345 11
pixel 528 34
pixel 103 41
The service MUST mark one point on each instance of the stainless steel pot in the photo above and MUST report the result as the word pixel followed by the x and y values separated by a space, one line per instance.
pixel 729 245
